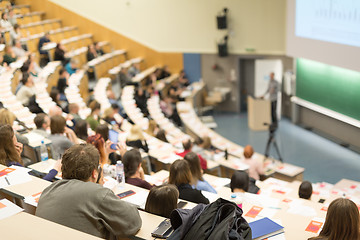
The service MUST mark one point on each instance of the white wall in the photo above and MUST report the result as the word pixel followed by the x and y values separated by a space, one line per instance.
pixel 190 25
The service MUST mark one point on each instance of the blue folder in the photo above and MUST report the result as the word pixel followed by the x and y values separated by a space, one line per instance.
pixel 265 228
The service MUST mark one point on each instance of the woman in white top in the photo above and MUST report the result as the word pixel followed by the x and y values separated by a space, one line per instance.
pixel 256 168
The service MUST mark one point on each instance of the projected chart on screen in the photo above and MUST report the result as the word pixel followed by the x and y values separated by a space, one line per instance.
pixel 335 21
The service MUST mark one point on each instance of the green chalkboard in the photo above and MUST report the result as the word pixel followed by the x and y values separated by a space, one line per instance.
pixel 332 87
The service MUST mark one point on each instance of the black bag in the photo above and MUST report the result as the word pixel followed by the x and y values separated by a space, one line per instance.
pixel 220 220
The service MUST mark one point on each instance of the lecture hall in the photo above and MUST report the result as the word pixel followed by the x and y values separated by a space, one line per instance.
pixel 207 119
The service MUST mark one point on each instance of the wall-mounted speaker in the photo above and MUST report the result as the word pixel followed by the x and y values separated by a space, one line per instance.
pixel 223 49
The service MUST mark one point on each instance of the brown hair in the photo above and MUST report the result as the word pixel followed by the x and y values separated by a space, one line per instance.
pixel 131 161
pixel 151 127
pixel 162 200
pixel 194 163
pixel 187 144
pixel 98 142
pixel 206 142
pixel 39 120
pixel 79 161
pixel 94 105
pixel 6 117
pixel 57 124
pixel 180 173
pixel 8 151
pixel 103 130
pixel 248 151
pixel 342 221
pixel 305 190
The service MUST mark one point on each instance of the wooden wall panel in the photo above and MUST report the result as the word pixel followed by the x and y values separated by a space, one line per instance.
pixel 101 33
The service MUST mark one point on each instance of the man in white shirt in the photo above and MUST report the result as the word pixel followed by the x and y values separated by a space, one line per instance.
pixel 273 89
pixel 27 90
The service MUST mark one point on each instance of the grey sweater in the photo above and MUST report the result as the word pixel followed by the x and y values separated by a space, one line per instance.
pixel 88 207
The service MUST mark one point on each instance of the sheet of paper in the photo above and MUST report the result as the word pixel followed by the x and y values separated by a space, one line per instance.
pixel 211 196
pixel 8 209
pixel 33 199
pixel 315 225
pixel 18 176
pixel 138 199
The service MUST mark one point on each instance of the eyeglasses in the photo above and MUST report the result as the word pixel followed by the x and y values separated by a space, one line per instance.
pixel 99 176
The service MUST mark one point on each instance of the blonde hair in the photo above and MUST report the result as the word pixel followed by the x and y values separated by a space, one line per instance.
pixel 108 112
pixel 7 117
pixel 135 134
pixel 151 128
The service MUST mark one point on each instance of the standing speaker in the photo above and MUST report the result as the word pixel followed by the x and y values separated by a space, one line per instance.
pixel 221 22
pixel 222 49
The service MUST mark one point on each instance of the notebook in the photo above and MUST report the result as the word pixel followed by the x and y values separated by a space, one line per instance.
pixel 265 228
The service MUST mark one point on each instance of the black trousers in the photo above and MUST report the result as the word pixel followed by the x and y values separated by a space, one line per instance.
pixel 273 111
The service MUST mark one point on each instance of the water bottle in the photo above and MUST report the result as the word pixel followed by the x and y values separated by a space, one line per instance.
pixel 237 200
pixel 120 175
pixel 43 151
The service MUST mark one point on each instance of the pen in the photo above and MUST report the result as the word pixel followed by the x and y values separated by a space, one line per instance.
pixel 7 180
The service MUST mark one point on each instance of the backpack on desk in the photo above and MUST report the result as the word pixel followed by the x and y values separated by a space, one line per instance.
pixel 221 219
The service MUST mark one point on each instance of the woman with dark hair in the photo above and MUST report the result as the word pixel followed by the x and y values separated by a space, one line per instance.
pixel 161 135
pixel 239 182
pixel 342 221
pixel 81 129
pixel 134 173
pixel 197 173
pixel 181 177
pixel 59 54
pixel 103 130
pixel 10 151
pixel 162 200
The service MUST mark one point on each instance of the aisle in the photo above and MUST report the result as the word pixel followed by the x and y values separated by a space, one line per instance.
pixel 323 159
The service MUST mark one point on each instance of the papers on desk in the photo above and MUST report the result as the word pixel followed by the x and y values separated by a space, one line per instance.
pixel 14 175
pixel 8 209
pixel 138 199
pixel 33 199
pixel 211 196
pixel 296 207
pixel 275 182
pixel 315 225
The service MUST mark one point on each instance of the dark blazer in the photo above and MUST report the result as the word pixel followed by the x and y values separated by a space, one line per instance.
pixel 186 192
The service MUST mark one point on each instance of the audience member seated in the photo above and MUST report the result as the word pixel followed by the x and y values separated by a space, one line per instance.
pixel 183 80
pixel 203 147
pixel 98 49
pixel 305 190
pixel 4 22
pixel 175 91
pixel 9 56
pixel 18 50
pixel 256 168
pixel 74 111
pixel 161 135
pixel 342 221
pixel 10 151
pixel 123 77
pixel 72 66
pixel 104 215
pixel 162 200
pixel 59 142
pixel 7 117
pixel 55 96
pixel 94 118
pixel 240 182
pixel 187 144
pixel 42 122
pixel 43 41
pixel 165 72
pixel 152 128
pixel 134 173
pixel 81 129
pixel 197 173
pixel 136 139
pixel 12 17
pixel 141 100
pixel 59 54
pixel 26 90
pixel 134 70
pixel 91 53
pixel 17 35
pixel 63 83
pixel 180 176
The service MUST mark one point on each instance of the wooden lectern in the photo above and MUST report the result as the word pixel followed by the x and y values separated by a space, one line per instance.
pixel 259 112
